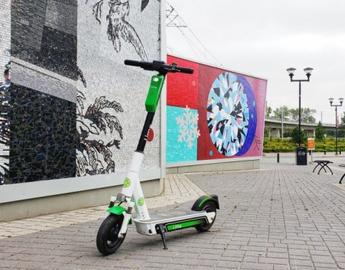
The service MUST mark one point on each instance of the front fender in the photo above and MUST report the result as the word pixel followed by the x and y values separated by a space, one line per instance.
pixel 116 210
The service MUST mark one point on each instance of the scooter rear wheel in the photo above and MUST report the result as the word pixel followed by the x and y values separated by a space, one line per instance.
pixel 107 237
pixel 208 207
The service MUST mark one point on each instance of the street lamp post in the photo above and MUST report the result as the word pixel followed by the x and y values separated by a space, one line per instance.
pixel 331 100
pixel 291 72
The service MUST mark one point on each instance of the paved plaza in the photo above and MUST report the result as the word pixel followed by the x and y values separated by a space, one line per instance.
pixel 279 217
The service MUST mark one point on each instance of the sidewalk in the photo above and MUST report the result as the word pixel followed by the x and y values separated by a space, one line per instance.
pixel 177 189
pixel 281 217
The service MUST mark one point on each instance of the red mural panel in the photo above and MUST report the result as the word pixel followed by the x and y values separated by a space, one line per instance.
pixel 230 109
pixel 182 89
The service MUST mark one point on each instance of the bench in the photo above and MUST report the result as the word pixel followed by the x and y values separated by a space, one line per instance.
pixel 323 165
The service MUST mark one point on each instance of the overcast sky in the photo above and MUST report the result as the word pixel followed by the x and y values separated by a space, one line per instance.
pixel 264 38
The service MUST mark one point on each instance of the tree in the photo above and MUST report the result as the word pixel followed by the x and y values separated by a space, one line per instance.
pixel 342 121
pixel 307 115
pixel 277 113
pixel 342 126
pixel 296 135
pixel 319 132
pixel 268 112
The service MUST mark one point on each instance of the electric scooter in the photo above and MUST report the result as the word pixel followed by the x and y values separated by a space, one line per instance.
pixel 129 205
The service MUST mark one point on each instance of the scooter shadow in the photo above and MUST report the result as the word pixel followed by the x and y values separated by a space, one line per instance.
pixel 173 239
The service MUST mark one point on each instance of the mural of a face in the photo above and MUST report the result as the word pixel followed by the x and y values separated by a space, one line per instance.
pixel 118 10
pixel 118 26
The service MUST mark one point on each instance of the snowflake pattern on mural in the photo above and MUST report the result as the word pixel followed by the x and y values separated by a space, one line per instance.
pixel 188 127
pixel 229 114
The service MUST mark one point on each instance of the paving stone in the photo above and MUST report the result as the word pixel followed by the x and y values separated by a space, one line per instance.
pixel 283 217
pixel 256 266
pixel 269 260
pixel 178 189
pixel 281 267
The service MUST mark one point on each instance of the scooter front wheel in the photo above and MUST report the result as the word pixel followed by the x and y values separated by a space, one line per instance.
pixel 107 237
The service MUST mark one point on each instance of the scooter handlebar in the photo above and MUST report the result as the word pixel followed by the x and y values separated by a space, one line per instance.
pixel 134 63
pixel 159 66
pixel 185 70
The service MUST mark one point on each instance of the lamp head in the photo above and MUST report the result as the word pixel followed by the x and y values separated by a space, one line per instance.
pixel 308 71
pixel 331 100
pixel 291 72
pixel 341 100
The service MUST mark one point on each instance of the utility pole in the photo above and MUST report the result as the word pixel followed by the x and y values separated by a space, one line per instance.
pixel 282 114
pixel 331 101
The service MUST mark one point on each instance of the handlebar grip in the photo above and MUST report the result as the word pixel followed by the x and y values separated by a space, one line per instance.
pixel 185 70
pixel 133 63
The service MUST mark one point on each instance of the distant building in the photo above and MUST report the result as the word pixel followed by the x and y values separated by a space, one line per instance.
pixel 274 127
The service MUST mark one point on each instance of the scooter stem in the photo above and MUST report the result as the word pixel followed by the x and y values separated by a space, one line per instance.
pixel 142 140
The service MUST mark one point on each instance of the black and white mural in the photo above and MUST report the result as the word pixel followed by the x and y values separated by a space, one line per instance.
pixel 42 107
pixel 5 33
pixel 115 13
pixel 43 136
pixel 111 96
pixel 5 86
pixel 5 83
pixel 95 156
pixel 44 34
pixel 72 108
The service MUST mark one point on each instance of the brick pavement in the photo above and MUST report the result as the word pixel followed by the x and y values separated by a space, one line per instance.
pixel 177 189
pixel 283 217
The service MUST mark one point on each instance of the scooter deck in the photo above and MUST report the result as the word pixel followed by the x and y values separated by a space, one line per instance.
pixel 163 223
pixel 172 222
pixel 163 218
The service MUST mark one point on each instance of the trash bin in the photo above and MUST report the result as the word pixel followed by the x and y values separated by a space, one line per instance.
pixel 301 156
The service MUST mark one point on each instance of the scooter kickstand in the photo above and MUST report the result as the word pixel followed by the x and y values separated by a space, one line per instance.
pixel 161 230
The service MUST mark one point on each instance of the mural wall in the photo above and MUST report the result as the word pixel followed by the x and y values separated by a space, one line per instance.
pixel 74 109
pixel 42 95
pixel 5 83
pixel 5 33
pixel 213 114
pixel 111 96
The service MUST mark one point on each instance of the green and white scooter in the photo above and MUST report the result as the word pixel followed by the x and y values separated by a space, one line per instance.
pixel 113 230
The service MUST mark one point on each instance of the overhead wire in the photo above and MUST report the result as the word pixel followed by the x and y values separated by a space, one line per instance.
pixel 175 20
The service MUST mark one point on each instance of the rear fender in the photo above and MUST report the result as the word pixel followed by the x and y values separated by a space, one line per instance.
pixel 200 203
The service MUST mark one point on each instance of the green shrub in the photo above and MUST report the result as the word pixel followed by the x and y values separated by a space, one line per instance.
pixel 287 145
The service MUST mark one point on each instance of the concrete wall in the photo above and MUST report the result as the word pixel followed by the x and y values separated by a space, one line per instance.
pixel 239 165
pixel 71 201
pixel 76 108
